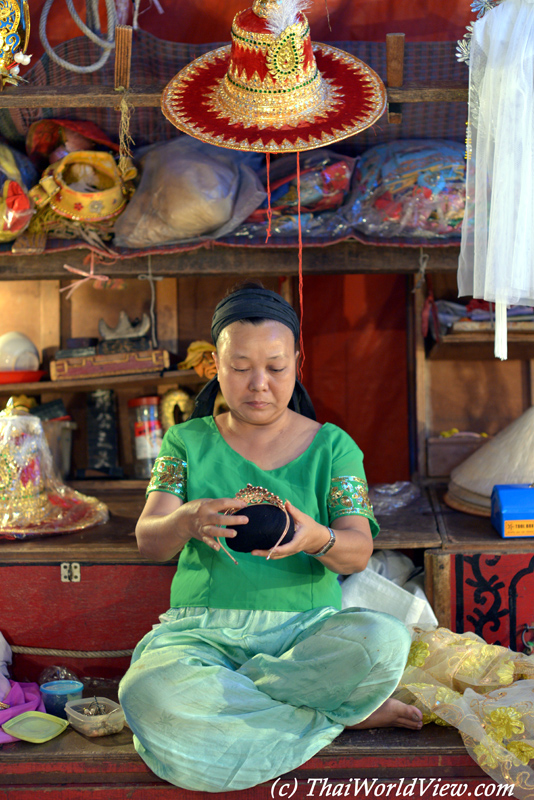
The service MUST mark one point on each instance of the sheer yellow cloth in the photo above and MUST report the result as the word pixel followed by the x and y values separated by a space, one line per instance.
pixel 483 690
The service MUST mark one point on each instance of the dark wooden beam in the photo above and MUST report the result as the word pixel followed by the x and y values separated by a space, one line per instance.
pixel 123 56
pixel 77 96
pixel 443 92
pixel 395 72
pixel 345 257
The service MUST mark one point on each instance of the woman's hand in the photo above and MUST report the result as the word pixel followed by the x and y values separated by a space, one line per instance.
pixel 310 536
pixel 205 519
pixel 167 523
pixel 352 549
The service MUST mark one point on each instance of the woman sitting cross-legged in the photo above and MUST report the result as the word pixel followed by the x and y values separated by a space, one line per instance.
pixel 254 668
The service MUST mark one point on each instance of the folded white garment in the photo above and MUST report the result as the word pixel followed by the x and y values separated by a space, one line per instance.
pixel 376 590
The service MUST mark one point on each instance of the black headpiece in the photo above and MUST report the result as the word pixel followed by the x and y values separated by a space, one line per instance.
pixel 253 303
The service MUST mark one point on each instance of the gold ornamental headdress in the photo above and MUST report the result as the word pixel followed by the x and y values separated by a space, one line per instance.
pixel 273 90
pixel 14 38
pixel 33 499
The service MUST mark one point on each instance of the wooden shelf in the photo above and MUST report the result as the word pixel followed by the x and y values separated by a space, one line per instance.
pixel 114 542
pixel 480 346
pixel 56 766
pixel 411 527
pixel 111 543
pixel 341 258
pixel 468 533
pixel 149 96
pixel 187 376
pixel 77 96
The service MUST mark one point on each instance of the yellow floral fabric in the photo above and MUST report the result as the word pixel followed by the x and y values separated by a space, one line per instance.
pixel 485 691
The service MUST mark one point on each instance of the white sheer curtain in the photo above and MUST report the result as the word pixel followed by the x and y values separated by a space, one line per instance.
pixel 497 250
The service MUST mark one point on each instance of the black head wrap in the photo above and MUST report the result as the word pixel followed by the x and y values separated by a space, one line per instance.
pixel 253 303
pixel 257 303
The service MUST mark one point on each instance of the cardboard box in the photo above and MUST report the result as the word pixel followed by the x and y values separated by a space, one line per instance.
pixel 446 453
pixel 512 510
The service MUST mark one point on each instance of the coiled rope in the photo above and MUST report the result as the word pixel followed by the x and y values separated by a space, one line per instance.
pixel 107 44
pixel 45 651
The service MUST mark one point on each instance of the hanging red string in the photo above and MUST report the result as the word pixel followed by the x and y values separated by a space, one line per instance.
pixel 301 286
pixel 269 209
pixel 327 16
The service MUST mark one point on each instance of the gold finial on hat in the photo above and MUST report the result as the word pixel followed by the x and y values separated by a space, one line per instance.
pixel 18 406
pixel 263 8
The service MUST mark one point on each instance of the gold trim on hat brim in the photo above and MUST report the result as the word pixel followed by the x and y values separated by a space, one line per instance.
pixel 320 133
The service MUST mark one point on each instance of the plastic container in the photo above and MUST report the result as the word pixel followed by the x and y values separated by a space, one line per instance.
pixel 147 433
pixel 56 695
pixel 34 726
pixel 98 725
pixel 58 434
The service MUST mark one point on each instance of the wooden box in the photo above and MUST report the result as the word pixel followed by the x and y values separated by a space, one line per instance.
pixel 487 593
pixel 86 592
pixel 446 453
pixel 480 582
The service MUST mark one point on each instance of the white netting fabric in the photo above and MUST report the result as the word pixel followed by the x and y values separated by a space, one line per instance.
pixel 497 249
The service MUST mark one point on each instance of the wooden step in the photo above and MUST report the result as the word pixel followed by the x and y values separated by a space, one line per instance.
pixel 72 767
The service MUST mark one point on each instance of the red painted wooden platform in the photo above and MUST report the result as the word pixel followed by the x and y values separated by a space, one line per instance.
pixel 118 598
pixel 356 764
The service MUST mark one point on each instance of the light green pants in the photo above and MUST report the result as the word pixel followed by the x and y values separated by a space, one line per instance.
pixel 221 700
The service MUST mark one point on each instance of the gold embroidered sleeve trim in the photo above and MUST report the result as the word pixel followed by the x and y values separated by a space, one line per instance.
pixel 349 495
pixel 169 474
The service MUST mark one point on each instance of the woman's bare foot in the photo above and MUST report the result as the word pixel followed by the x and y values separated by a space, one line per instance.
pixel 392 714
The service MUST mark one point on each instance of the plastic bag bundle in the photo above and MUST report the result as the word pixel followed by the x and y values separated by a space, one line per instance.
pixel 387 498
pixel 325 178
pixel 412 188
pixel 188 190
pixel 17 175
pixel 324 182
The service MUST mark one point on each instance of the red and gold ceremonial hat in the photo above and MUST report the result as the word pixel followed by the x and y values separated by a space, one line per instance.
pixel 273 90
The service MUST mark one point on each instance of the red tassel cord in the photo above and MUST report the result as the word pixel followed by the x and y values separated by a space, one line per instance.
pixel 269 209
pixel 327 15
pixel 301 285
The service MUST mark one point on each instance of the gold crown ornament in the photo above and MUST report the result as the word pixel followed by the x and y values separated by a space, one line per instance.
pixel 107 191
pixel 273 89
pixel 14 37
pixel 81 195
pixel 256 496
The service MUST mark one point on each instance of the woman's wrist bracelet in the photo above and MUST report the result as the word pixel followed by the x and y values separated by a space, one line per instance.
pixel 330 543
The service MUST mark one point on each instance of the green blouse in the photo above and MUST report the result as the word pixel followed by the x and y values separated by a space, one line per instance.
pixel 327 481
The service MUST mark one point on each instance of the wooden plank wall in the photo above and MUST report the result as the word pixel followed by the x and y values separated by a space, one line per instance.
pixel 183 307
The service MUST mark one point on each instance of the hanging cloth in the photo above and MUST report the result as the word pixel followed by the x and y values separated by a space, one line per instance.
pixel 497 249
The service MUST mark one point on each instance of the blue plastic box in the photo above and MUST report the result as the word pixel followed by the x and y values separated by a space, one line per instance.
pixel 56 694
pixel 512 510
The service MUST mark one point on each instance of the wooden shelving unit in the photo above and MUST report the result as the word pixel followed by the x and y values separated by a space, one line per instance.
pixel 343 257
pixel 480 346
pixel 413 528
pixel 187 377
